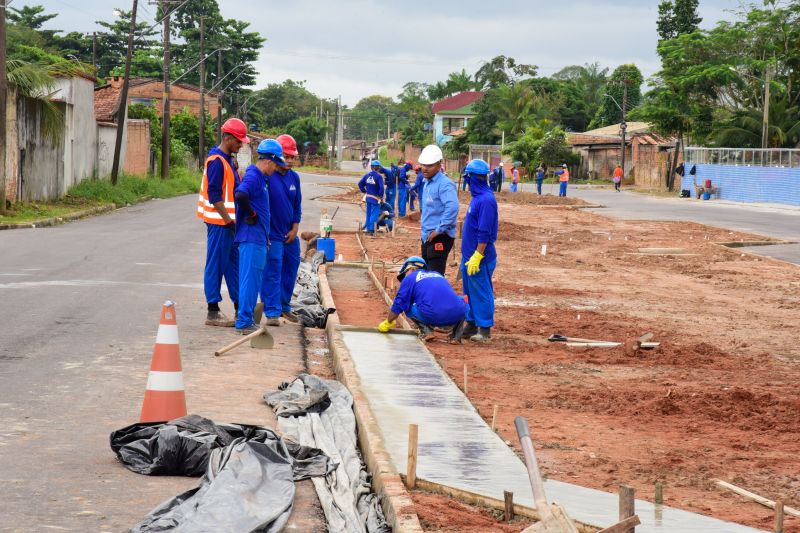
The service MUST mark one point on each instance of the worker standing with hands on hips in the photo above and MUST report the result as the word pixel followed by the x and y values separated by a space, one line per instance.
pixel 283 252
pixel 217 208
pixel 252 229
pixel 439 205
pixel 478 253
pixel 428 299
pixel 371 184
pixel 563 179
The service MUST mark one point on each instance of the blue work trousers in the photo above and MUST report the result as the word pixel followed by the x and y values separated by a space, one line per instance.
pixel 252 260
pixel 373 212
pixel 539 186
pixel 411 199
pixel 222 259
pixel 562 188
pixel 416 315
pixel 390 196
pixel 402 201
pixel 480 292
pixel 512 187
pixel 277 285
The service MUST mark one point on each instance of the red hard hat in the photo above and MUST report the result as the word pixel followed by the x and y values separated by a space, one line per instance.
pixel 288 144
pixel 237 128
pixel 409 163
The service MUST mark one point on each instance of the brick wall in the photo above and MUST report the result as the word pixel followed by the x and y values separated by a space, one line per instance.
pixel 748 184
pixel 180 97
pixel 137 155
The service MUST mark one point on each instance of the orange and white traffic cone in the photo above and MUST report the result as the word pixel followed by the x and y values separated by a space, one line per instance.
pixel 164 398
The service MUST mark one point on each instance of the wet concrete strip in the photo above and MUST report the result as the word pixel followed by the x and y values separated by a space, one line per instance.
pixel 405 385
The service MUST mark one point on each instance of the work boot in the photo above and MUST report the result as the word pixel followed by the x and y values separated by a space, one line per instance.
pixel 458 332
pixel 483 335
pixel 216 318
pixel 291 317
pixel 470 329
pixel 425 332
pixel 273 321
pixel 247 330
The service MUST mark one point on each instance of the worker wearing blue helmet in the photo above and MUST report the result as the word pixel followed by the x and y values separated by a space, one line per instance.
pixel 478 254
pixel 371 184
pixel 252 229
pixel 427 299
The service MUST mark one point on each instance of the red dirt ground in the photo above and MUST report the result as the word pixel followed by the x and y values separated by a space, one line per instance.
pixel 717 400
pixel 443 515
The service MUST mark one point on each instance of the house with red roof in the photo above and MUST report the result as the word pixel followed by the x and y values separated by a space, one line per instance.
pixel 451 115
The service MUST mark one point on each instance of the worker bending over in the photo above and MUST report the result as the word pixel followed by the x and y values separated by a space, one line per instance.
pixel 253 228
pixel 217 208
pixel 439 205
pixel 478 255
pixel 371 184
pixel 283 252
pixel 563 179
pixel 428 300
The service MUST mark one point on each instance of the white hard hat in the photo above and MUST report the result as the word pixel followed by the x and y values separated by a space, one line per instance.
pixel 501 163
pixel 430 154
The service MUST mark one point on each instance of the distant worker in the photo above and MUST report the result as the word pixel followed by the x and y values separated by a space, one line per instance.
pixel 428 300
pixel 514 179
pixel 439 205
pixel 283 252
pixel 617 178
pixel 415 192
pixel 402 188
pixel 463 180
pixel 500 175
pixel 385 218
pixel 478 254
pixel 371 184
pixel 563 179
pixel 540 170
pixel 253 228
pixel 217 208
pixel 389 183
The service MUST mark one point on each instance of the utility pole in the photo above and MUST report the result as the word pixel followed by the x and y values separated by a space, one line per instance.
pixel 339 134
pixel 201 156
pixel 333 149
pixel 94 51
pixel 388 126
pixel 219 97
pixel 765 125
pixel 122 111
pixel 3 102
pixel 166 111
pixel 623 126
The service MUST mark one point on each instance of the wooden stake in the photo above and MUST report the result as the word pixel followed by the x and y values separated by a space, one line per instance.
pixel 508 513
pixel 659 493
pixel 465 379
pixel 494 417
pixel 778 516
pixel 411 471
pixel 626 504
pixel 756 498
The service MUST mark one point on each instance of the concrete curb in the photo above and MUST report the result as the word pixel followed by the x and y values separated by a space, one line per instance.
pixel 54 221
pixel 386 482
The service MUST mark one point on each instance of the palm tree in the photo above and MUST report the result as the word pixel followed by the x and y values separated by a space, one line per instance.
pixel 519 106
pixel 743 129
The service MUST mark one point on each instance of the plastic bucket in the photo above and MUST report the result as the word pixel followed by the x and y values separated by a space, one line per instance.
pixel 328 246
pixel 708 184
pixel 706 196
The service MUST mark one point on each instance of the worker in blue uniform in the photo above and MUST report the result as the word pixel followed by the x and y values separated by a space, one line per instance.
pixel 283 252
pixel 389 182
pixel 252 229
pixel 402 188
pixel 386 218
pixel 371 184
pixel 478 254
pixel 440 211
pixel 427 299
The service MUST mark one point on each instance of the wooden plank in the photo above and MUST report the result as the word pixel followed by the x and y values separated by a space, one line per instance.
pixel 593 344
pixel 465 379
pixel 659 493
pixel 626 505
pixel 494 417
pixel 411 471
pixel 756 498
pixel 508 511
pixel 622 527
pixel 778 516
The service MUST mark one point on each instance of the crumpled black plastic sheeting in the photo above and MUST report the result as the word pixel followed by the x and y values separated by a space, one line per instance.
pixel 182 447
pixel 306 301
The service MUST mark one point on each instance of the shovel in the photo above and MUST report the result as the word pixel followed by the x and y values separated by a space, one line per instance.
pixel 553 518
pixel 561 338
pixel 260 339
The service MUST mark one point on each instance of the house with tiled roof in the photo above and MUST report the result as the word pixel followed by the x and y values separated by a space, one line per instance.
pixel 149 92
pixel 451 115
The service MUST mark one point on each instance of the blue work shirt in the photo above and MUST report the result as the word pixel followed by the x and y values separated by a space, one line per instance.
pixel 255 185
pixel 434 296
pixel 391 176
pixel 540 175
pixel 372 183
pixel 402 177
pixel 439 201
pixel 285 201
pixel 480 224
pixel 419 184
pixel 216 175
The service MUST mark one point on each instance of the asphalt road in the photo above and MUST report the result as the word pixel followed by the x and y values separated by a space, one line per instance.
pixel 82 302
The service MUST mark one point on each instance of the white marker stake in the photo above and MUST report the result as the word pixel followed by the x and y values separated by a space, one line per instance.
pixel 544 249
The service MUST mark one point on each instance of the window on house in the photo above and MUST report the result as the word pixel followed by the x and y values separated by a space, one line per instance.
pixel 452 124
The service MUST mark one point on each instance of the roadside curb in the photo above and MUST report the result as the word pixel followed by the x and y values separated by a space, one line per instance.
pixel 386 481
pixel 54 221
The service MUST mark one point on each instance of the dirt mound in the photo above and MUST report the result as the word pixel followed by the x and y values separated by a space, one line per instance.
pixel 440 514
pixel 527 198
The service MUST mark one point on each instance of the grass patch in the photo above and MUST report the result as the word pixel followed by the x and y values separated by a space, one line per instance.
pixel 97 192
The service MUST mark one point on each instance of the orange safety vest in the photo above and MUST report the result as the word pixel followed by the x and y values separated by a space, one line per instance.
pixel 564 176
pixel 205 209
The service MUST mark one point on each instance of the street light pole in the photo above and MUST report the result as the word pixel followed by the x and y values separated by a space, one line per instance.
pixel 165 115
pixel 3 98
pixel 122 111
pixel 201 155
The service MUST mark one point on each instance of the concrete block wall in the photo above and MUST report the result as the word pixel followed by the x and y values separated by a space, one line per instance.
pixel 778 185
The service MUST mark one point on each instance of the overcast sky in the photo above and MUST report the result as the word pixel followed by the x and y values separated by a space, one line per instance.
pixel 356 48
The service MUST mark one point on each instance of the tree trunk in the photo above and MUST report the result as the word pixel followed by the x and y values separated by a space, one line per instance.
pixel 674 165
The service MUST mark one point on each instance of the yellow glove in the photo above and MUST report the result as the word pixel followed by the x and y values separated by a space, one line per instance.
pixel 385 326
pixel 474 263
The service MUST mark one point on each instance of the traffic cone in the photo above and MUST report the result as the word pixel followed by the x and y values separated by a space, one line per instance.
pixel 164 398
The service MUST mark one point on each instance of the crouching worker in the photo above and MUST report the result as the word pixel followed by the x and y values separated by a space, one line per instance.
pixel 427 299
pixel 479 257
pixel 386 218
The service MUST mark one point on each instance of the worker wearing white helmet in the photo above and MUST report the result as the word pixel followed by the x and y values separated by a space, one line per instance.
pixel 439 205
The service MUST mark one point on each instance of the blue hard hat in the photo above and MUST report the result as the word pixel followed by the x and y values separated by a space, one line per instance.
pixel 375 163
pixel 413 261
pixel 271 149
pixel 477 166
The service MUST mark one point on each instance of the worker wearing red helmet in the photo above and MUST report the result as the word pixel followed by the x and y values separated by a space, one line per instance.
pixel 216 206
pixel 402 188
pixel 283 252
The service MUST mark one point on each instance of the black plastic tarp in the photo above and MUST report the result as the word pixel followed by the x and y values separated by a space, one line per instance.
pixel 306 300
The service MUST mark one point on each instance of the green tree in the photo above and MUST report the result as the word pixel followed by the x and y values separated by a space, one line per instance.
pixel 502 70
pixel 368 119
pixel 308 129
pixel 142 111
pixel 583 88
pixel 677 18
pixel 526 148
pixel 112 45
pixel 416 108
pixel 608 113
pixel 32 17
pixel 554 150
pixel 743 128
pixel 185 127
pixel 455 83
pixel 278 104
